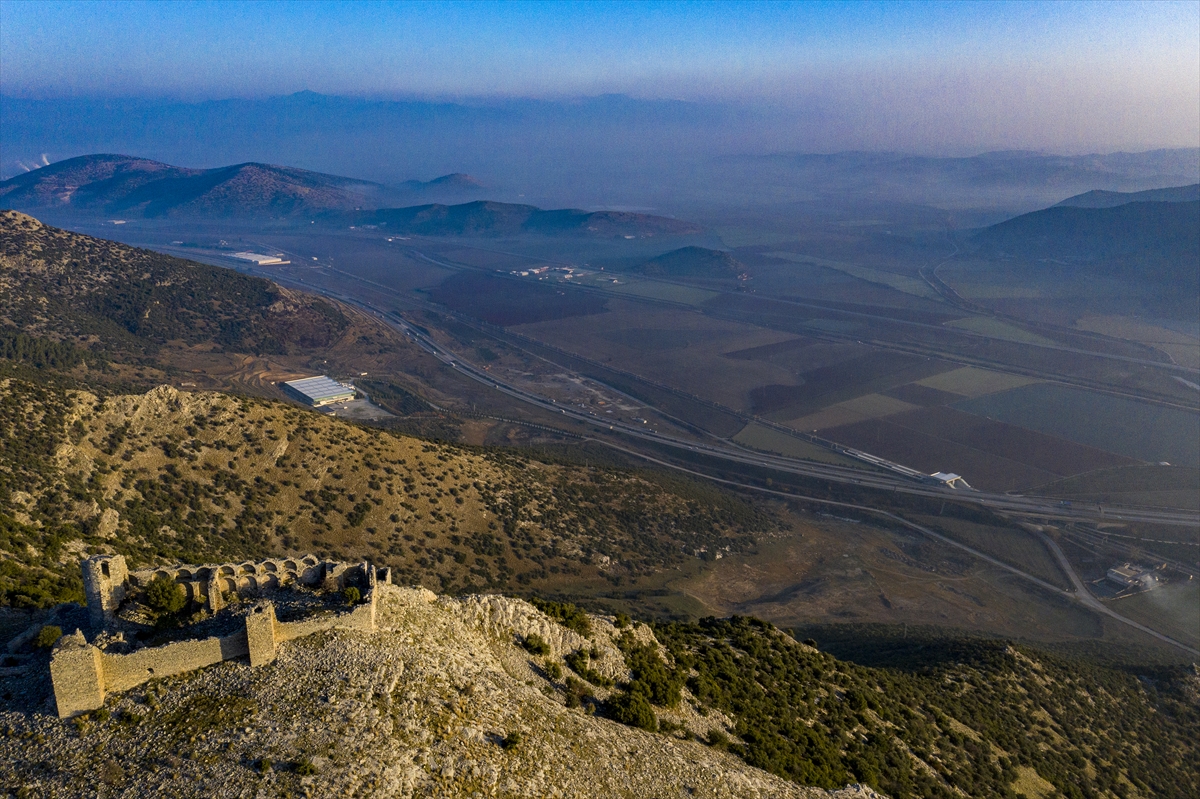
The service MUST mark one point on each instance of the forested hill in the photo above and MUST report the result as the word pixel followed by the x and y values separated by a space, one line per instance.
pixel 121 302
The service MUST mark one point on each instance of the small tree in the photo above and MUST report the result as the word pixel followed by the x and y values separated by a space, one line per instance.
pixel 353 595
pixel 634 710
pixel 47 636
pixel 163 595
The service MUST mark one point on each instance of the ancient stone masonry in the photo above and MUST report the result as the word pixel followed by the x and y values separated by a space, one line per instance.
pixel 84 671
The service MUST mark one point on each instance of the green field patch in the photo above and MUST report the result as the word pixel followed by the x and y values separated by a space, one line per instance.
pixel 654 290
pixel 761 437
pixel 655 339
pixel 1127 427
pixel 994 328
pixel 903 283
pixel 972 382
pixel 868 406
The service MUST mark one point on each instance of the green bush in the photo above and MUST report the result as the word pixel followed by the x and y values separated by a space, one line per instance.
pixel 535 644
pixel 566 614
pixel 305 767
pixel 48 636
pixel 511 741
pixel 632 709
pixel 163 595
pixel 621 621
pixel 353 595
pixel 553 670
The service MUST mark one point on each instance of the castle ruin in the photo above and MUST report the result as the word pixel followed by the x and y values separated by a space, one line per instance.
pixel 83 672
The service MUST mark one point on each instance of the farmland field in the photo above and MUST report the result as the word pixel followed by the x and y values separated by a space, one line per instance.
pixel 1142 484
pixel 1134 429
pixel 656 290
pixel 872 372
pixel 930 453
pixel 972 382
pixel 764 438
pixel 1048 453
pixel 507 302
pixel 673 346
pixel 987 326
pixel 903 283
pixel 868 406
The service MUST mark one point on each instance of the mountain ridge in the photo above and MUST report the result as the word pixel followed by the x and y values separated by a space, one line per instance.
pixel 113 184
pixel 1099 198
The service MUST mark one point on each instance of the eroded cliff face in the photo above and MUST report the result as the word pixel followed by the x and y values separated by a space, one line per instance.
pixel 442 701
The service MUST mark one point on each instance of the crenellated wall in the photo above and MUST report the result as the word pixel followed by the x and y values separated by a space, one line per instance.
pixel 82 674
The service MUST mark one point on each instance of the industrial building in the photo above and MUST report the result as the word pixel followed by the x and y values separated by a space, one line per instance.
pixel 318 391
pixel 1131 576
pixel 261 260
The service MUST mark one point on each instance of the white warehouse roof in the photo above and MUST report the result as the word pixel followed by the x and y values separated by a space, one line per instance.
pixel 319 390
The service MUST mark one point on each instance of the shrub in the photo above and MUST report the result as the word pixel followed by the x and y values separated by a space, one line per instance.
pixel 163 595
pixel 264 765
pixel 581 663
pixel 511 741
pixel 632 709
pixel 718 739
pixel 353 595
pixel 621 621
pixel 305 767
pixel 47 636
pixel 576 692
pixel 566 614
pixel 536 645
pixel 553 670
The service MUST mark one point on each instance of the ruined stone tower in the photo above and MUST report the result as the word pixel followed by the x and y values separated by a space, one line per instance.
pixel 104 578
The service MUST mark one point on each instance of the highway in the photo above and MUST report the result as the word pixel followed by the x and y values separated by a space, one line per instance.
pixel 1038 507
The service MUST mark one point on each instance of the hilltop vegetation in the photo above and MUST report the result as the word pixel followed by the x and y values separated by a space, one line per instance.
pixel 974 718
pixel 693 262
pixel 204 477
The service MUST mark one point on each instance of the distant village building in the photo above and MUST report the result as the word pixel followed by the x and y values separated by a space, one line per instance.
pixel 318 391
pixel 1130 576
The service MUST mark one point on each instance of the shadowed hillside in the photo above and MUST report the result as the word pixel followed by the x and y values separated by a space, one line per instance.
pixel 1157 242
pixel 124 303
pixel 694 262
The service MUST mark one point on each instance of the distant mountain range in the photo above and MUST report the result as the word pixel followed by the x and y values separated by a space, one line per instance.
pixel 1111 199
pixel 120 185
pixel 483 218
pixel 456 182
pixel 138 187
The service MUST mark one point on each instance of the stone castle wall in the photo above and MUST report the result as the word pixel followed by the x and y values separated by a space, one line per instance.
pixel 82 674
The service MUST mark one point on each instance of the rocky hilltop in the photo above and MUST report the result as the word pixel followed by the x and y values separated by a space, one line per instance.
pixel 446 699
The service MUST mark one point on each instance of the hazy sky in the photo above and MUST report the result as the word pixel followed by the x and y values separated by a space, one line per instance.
pixel 1057 75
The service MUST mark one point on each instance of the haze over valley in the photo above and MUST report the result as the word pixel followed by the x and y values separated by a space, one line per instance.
pixel 783 451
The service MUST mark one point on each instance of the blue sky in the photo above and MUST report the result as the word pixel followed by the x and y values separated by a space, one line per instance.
pixel 1134 68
